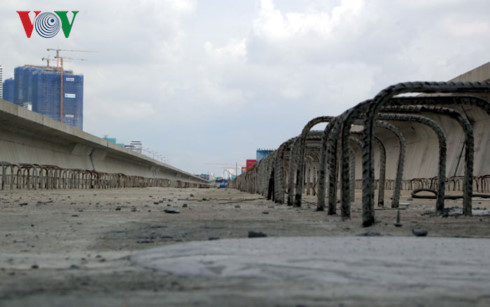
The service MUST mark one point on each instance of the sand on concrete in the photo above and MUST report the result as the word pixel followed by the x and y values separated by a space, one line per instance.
pixel 81 247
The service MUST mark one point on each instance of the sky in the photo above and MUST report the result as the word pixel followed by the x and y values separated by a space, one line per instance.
pixel 206 83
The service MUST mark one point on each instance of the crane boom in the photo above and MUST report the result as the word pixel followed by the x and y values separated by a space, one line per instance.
pixel 59 66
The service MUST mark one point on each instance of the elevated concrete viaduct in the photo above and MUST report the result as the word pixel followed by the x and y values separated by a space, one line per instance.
pixel 36 148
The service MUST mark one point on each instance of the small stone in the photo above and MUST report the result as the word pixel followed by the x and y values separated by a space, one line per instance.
pixel 74 267
pixel 256 234
pixel 237 206
pixel 35 266
pixel 171 211
pixel 265 212
pixel 74 215
pixel 23 204
pixel 184 206
pixel 191 195
pixel 419 232
pixel 156 202
pixel 213 238
pixel 133 209
pixel 144 241
pixel 118 208
pixel 370 233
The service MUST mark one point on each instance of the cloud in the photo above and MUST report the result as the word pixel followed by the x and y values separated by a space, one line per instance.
pixel 274 25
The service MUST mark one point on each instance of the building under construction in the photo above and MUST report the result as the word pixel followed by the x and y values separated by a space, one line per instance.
pixel 38 88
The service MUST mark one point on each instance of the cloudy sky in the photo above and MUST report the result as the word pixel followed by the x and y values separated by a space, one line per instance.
pixel 211 81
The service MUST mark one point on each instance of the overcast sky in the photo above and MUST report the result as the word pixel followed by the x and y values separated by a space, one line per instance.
pixel 211 81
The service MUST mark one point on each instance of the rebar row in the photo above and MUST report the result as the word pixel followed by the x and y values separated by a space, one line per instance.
pixel 285 171
pixel 35 176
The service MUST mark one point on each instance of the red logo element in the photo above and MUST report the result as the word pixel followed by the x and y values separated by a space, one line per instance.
pixel 26 21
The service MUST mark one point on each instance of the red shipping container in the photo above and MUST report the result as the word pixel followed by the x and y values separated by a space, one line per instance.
pixel 250 164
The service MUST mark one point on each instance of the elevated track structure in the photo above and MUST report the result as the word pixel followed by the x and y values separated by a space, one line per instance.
pixel 37 152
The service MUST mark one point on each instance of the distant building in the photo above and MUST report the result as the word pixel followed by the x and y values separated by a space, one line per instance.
pixel 8 90
pixel 262 153
pixel 39 88
pixel 250 163
pixel 1 82
pixel 113 140
pixel 203 176
pixel 136 146
pixel 110 139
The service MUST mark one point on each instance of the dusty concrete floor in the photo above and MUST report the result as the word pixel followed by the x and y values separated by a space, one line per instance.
pixel 74 247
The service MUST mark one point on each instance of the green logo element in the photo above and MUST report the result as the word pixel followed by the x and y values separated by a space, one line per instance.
pixel 65 23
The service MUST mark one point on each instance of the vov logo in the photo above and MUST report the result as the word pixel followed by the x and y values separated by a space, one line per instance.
pixel 47 24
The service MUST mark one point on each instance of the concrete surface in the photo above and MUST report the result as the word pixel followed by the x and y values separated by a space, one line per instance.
pixel 401 270
pixel 118 247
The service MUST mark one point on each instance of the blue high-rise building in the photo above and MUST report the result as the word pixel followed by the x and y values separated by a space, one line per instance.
pixel 39 88
pixel 46 96
pixel 23 77
pixel 8 90
pixel 262 153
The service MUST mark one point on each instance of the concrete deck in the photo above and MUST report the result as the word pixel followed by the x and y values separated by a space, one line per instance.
pixel 325 271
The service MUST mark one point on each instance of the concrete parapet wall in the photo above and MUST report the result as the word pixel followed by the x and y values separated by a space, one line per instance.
pixel 423 147
pixel 422 143
pixel 29 137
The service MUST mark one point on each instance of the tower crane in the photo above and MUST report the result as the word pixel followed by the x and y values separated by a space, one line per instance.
pixel 57 56
pixel 48 59
pixel 59 66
